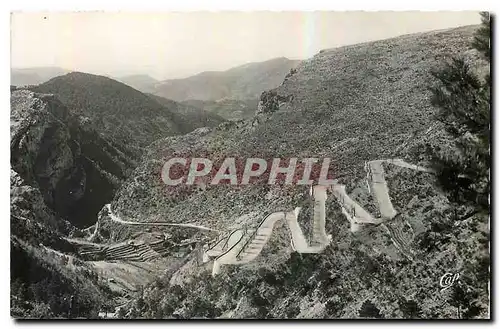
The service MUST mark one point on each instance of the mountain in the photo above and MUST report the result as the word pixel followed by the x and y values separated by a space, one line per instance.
pixel 189 118
pixel 71 148
pixel 116 110
pixel 34 75
pixel 241 82
pixel 141 82
pixel 352 104
pixel 232 94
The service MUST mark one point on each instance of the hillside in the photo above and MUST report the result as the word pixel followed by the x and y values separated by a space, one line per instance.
pixel 34 75
pixel 352 104
pixel 71 147
pixel 188 118
pixel 116 110
pixel 62 173
pixel 230 109
pixel 241 82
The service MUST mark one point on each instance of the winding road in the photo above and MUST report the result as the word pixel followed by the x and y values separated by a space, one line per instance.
pixel 117 219
pixel 377 185
pixel 244 245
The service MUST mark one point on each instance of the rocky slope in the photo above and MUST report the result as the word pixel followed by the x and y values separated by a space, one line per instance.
pixel 74 168
pixel 352 104
pixel 62 172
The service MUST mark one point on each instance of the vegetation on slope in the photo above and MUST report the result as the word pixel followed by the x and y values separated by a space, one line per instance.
pixel 187 117
pixel 462 97
pixel 230 109
pixel 356 276
pixel 46 285
pixel 352 104
pixel 116 110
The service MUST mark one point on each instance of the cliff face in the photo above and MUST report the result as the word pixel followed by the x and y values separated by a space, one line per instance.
pixel 62 173
pixel 74 168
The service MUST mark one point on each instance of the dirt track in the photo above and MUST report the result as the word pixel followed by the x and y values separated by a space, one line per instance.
pixel 115 218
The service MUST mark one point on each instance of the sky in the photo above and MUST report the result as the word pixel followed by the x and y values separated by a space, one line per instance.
pixel 177 45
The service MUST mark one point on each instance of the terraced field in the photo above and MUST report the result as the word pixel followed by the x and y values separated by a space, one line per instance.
pixel 138 251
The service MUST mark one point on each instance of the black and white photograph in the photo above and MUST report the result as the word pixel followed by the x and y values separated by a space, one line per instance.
pixel 182 165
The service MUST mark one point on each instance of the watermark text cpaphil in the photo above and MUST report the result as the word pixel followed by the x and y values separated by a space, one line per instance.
pixel 238 171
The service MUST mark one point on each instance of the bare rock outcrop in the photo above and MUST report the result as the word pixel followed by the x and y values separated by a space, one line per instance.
pixel 74 169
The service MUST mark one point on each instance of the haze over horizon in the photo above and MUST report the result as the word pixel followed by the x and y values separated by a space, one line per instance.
pixel 177 45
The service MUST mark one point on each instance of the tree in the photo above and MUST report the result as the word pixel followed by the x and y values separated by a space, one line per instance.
pixel 369 310
pixel 482 38
pixel 410 309
pixel 121 313
pixel 463 102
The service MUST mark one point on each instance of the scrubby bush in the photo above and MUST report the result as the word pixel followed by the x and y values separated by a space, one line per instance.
pixel 369 310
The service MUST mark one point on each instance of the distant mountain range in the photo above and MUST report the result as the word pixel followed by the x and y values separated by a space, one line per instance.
pixel 34 75
pixel 142 82
pixel 242 82
pixel 233 94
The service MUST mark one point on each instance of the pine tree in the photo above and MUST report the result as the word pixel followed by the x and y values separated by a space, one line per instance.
pixel 482 38
pixel 463 102
pixel 369 310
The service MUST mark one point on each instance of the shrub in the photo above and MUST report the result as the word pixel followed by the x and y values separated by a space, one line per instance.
pixel 369 310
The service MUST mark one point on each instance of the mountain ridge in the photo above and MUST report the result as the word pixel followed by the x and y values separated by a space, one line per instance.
pixel 35 75
pixel 244 81
pixel 115 109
